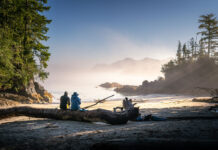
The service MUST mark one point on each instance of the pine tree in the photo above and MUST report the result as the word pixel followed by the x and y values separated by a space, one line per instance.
pixel 192 47
pixel 201 49
pixel 209 25
pixel 184 52
pixel 6 58
pixel 179 53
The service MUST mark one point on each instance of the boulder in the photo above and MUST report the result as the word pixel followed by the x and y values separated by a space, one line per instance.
pixel 37 92
pixel 30 89
pixel 111 85
pixel 45 95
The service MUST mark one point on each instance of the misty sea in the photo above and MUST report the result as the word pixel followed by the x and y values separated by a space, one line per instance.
pixel 90 94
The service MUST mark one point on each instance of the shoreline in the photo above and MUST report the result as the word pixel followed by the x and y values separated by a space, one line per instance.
pixel 42 133
pixel 168 101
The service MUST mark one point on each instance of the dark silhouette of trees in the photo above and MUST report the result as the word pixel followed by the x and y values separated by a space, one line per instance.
pixel 195 65
pixel 209 33
pixel 179 53
pixel 196 52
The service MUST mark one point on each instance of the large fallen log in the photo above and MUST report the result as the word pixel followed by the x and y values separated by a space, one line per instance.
pixel 98 115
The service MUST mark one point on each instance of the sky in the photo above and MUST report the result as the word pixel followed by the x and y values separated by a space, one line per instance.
pixel 88 32
pixel 84 33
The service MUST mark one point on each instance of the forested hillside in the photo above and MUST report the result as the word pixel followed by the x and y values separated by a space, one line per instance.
pixel 195 65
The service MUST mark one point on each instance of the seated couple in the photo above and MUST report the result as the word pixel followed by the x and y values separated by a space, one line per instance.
pixel 74 102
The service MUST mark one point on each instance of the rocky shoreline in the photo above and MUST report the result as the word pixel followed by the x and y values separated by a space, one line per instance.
pixel 151 88
pixel 34 93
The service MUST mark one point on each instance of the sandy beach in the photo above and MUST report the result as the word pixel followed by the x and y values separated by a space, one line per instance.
pixel 41 133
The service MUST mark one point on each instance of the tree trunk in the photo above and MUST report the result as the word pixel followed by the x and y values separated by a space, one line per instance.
pixel 100 115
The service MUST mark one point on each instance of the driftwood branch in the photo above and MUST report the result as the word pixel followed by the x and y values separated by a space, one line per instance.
pixel 100 115
pixel 100 101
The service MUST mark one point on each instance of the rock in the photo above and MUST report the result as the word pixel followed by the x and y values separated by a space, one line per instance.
pixel 7 99
pixel 38 93
pixel 33 93
pixel 127 90
pixel 45 95
pixel 111 85
pixel 30 89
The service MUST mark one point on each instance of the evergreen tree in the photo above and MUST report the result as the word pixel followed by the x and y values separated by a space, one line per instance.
pixel 167 68
pixel 196 66
pixel 185 52
pixel 192 47
pixel 179 53
pixel 24 22
pixel 6 58
pixel 209 25
pixel 201 49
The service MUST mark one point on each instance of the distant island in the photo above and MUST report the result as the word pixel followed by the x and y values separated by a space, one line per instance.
pixel 111 85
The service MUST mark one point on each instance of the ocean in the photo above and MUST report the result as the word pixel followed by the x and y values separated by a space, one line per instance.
pixel 87 86
pixel 88 94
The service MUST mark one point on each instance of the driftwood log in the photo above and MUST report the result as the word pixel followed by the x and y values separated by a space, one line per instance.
pixel 98 115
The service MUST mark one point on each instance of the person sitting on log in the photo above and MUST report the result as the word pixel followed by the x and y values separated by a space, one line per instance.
pixel 75 101
pixel 128 105
pixel 64 101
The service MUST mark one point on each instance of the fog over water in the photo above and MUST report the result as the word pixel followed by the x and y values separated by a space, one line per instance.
pixel 85 79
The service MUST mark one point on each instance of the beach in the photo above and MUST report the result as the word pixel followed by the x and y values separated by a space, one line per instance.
pixel 40 133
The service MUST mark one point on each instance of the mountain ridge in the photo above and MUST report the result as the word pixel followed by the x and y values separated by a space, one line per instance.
pixel 129 65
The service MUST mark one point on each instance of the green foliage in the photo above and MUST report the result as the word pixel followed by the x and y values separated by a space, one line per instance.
pixel 209 25
pixel 6 58
pixel 167 68
pixel 179 53
pixel 192 46
pixel 22 54
pixel 194 60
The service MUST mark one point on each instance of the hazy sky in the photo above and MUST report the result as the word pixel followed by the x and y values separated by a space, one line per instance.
pixel 103 31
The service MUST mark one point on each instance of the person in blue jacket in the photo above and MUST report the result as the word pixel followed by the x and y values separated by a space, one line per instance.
pixel 75 101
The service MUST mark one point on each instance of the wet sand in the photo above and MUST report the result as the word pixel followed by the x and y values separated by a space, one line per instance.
pixel 41 133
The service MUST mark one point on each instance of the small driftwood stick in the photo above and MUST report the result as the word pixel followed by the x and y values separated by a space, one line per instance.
pixel 101 101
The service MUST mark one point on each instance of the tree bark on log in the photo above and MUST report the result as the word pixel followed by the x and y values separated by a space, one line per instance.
pixel 100 115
